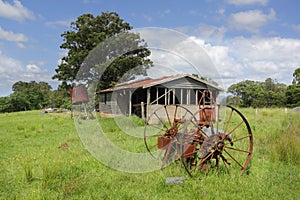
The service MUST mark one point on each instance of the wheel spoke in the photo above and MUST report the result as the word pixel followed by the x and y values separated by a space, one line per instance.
pixel 151 147
pixel 236 149
pixel 175 113
pixel 241 138
pixel 225 163
pixel 233 158
pixel 168 115
pixel 167 153
pixel 218 163
pixel 205 159
pixel 161 120
pixel 159 128
pixel 236 127
pixel 186 112
pixel 227 123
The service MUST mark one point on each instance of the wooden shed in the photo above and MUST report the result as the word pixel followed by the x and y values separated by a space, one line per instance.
pixel 141 97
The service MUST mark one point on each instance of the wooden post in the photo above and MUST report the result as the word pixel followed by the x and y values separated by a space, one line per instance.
pixel 174 99
pixel 130 103
pixel 157 95
pixel 217 109
pixel 181 96
pixel 188 94
pixel 143 111
pixel 169 95
pixel 197 97
pixel 148 102
pixel 166 96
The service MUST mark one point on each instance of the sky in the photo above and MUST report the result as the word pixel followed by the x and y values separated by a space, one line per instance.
pixel 245 39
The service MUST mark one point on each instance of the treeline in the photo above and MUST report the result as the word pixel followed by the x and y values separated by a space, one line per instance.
pixel 34 95
pixel 38 95
pixel 269 93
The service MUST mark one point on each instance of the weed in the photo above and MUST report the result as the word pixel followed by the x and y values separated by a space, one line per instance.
pixel 28 172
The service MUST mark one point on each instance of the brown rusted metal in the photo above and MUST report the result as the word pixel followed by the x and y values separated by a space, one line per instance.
pixel 79 95
pixel 163 142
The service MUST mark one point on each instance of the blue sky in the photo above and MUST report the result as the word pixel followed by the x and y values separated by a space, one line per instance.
pixel 245 39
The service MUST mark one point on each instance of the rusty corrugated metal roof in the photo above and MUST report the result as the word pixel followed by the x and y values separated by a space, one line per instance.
pixel 145 83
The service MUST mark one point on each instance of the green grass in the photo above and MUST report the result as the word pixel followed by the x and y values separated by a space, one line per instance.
pixel 33 166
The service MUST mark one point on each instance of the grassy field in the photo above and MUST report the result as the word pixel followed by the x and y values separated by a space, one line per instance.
pixel 35 164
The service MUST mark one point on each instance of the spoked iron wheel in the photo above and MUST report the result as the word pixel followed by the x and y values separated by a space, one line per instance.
pixel 162 130
pixel 227 145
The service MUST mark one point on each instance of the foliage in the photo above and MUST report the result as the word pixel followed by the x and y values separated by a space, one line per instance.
pixel 33 96
pixel 258 94
pixel 293 91
pixel 34 165
pixel 296 75
pixel 60 98
pixel 88 32
pixel 293 95
pixel 26 96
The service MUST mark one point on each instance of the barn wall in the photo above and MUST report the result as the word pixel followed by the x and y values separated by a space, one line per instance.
pixel 186 83
pixel 116 103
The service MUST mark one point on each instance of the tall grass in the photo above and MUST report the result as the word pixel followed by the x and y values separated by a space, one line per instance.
pixel 285 145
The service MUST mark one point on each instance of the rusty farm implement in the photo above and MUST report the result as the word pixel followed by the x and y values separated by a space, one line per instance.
pixel 211 137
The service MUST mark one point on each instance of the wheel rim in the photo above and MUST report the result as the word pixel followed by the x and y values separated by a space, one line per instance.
pixel 162 130
pixel 227 148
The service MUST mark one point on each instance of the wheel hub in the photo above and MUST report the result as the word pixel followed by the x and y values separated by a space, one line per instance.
pixel 213 144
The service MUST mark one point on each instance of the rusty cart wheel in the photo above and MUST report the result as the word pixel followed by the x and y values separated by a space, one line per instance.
pixel 162 130
pixel 223 145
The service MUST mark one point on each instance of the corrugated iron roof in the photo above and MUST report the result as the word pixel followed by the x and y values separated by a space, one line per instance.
pixel 148 82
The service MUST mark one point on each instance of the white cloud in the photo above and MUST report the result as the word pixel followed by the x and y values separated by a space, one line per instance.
pixel 231 61
pixel 262 58
pixel 15 11
pixel 240 58
pixel 11 36
pixel 247 2
pixel 274 49
pixel 12 70
pixel 221 11
pixel 295 27
pixel 20 45
pixel 251 20
pixel 209 32
pixel 32 68
pixel 65 23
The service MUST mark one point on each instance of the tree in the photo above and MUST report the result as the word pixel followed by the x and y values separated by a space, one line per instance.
pixel 296 75
pixel 88 32
pixel 26 96
pixel 247 91
pixel 258 94
pixel 293 91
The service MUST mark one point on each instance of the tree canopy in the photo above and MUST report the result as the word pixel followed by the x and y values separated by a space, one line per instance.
pixel 26 96
pixel 249 93
pixel 269 93
pixel 86 33
pixel 293 91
